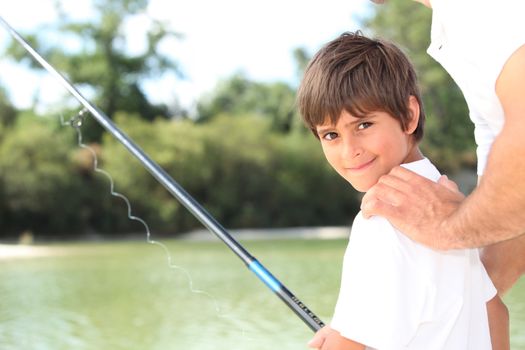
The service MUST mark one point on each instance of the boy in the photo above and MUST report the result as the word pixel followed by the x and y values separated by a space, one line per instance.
pixel 361 100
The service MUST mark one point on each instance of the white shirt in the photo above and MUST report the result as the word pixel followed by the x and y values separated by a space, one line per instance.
pixel 398 294
pixel 472 40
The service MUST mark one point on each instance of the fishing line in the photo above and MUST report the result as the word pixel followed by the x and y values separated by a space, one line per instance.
pixel 184 198
pixel 76 123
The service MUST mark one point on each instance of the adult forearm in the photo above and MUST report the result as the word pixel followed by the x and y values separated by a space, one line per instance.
pixel 505 263
pixel 495 211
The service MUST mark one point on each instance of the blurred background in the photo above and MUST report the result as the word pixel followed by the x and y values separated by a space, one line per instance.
pixel 207 89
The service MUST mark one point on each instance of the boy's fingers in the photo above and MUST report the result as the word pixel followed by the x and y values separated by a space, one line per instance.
pixel 315 343
pixel 318 339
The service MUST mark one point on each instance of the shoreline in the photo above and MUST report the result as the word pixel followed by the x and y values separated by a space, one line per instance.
pixel 325 232
pixel 16 250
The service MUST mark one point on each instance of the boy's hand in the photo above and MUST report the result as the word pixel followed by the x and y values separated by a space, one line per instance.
pixel 319 337
pixel 329 339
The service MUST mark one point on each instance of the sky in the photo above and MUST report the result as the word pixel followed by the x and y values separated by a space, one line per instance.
pixel 219 39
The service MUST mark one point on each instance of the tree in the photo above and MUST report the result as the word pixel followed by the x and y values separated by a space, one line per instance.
pixel 7 111
pixel 448 132
pixel 302 58
pixel 35 182
pixel 102 63
pixel 239 96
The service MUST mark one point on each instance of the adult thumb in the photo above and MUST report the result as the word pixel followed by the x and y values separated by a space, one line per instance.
pixel 451 185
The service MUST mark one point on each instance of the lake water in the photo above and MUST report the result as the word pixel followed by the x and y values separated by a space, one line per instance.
pixel 126 295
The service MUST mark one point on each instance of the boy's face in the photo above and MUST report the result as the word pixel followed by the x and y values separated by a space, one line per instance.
pixel 361 150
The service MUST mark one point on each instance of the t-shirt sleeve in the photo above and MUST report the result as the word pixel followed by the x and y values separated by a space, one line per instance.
pixel 374 306
pixel 507 17
pixel 487 286
pixel 499 23
pixel 484 137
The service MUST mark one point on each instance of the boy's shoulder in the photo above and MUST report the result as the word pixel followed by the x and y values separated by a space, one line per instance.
pixel 375 232
pixel 423 167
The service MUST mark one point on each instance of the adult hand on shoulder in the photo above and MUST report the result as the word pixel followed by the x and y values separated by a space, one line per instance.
pixel 416 206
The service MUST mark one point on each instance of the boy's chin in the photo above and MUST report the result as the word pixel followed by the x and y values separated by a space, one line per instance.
pixel 361 187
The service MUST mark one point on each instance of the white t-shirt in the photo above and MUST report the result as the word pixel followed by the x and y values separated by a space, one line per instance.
pixel 398 294
pixel 472 40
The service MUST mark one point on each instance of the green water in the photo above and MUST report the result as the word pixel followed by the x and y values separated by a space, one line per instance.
pixel 125 295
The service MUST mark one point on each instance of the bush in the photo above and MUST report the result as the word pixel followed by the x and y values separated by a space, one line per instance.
pixel 239 169
pixel 241 172
pixel 37 180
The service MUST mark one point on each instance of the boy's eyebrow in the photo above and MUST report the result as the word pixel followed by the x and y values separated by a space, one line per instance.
pixel 321 130
pixel 325 129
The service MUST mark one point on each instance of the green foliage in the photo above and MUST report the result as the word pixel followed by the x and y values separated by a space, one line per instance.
pixel 33 177
pixel 246 158
pixel 244 174
pixel 242 171
pixel 238 96
pixel 7 110
pixel 302 58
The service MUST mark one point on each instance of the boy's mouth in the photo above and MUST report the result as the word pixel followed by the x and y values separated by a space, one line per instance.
pixel 362 165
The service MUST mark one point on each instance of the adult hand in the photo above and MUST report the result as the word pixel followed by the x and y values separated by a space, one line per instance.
pixel 415 205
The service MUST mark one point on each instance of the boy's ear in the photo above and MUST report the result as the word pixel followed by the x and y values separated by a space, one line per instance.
pixel 413 109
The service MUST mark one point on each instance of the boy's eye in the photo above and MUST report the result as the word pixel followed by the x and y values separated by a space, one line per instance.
pixel 364 125
pixel 330 136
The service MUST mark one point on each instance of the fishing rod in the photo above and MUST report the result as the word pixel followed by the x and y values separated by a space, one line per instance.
pixel 297 306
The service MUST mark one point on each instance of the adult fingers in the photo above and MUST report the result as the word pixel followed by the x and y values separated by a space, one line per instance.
pixel 389 190
pixel 405 174
pixel 410 178
pixel 451 185
pixel 372 205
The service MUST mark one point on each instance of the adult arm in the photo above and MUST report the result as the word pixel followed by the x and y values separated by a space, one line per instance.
pixel 494 212
pixel 505 262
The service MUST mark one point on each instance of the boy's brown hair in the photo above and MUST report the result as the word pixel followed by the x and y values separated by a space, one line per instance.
pixel 359 75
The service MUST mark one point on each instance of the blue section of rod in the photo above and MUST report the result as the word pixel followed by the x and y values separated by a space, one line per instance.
pixel 264 275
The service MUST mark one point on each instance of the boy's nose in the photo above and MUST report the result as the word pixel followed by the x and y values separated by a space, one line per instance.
pixel 351 149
